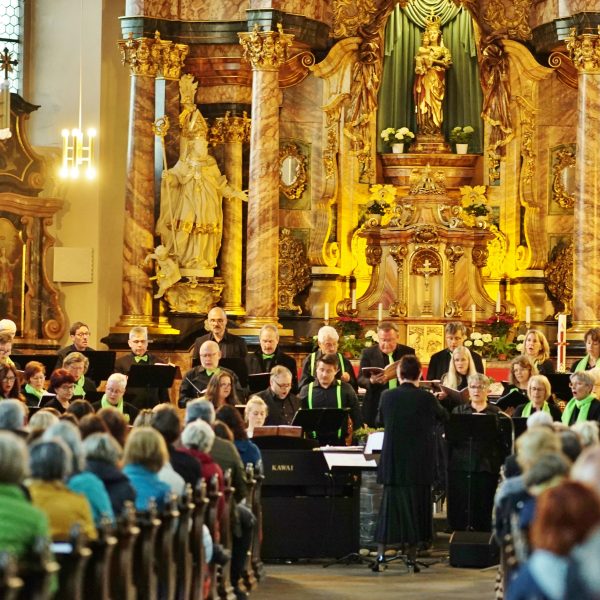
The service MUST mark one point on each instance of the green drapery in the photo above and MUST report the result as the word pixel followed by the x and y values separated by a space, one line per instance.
pixel 463 100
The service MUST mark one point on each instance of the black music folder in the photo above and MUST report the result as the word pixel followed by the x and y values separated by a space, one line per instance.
pixel 321 421
pixel 511 400
pixel 239 367
pixel 102 364
pixel 258 382
pixel 48 360
pixel 152 376
pixel 560 384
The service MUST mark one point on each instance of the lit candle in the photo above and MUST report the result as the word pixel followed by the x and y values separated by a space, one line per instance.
pixel 380 312
pixel 473 315
pixel 561 346
pixel 353 299
pixel 326 315
pixel 498 304
pixel 527 316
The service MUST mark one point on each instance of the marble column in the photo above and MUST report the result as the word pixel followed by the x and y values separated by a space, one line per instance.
pixel 232 132
pixel 585 53
pixel 266 51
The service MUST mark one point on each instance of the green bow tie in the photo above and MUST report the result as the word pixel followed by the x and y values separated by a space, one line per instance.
pixel 211 373
pixel 268 356
pixel 139 359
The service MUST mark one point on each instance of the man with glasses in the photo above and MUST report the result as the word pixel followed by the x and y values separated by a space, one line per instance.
pixel 279 398
pixel 80 337
pixel 195 381
pixel 230 345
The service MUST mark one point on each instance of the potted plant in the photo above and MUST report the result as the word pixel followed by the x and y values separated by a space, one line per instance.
pixel 398 138
pixel 379 200
pixel 474 210
pixel 461 137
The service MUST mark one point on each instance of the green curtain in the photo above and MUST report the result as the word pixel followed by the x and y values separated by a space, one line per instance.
pixel 463 100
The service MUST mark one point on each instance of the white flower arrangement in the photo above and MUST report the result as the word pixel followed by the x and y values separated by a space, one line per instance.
pixel 397 136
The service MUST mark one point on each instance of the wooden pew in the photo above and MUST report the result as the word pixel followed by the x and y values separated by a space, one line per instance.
pixel 224 587
pixel 164 557
pixel 258 566
pixel 126 533
pixel 198 565
pixel 248 576
pixel 212 522
pixel 145 545
pixel 38 570
pixel 72 561
pixel 98 571
pixel 10 583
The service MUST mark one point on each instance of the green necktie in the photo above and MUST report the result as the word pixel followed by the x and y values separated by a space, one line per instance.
pixel 392 383
pixel 139 359
pixel 268 356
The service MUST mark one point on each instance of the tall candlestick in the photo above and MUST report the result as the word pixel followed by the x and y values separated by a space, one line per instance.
pixel 527 316
pixel 498 302
pixel 353 296
pixel 380 312
pixel 326 315
pixel 561 346
pixel 473 315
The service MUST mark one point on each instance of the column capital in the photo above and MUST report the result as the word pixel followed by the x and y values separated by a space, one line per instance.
pixel 152 57
pixel 265 50
pixel 584 50
pixel 230 129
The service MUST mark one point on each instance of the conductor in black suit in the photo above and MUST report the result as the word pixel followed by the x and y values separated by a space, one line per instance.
pixel 386 352
pixel 139 355
pixel 439 363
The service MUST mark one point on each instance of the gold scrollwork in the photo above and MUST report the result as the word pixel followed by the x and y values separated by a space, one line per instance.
pixel 373 255
pixel 565 159
pixel 454 254
pixel 516 27
pixel 426 234
pixel 479 256
pixel 559 277
pixel 584 50
pixel 292 171
pixel 398 253
pixel 230 129
pixel 294 271
pixel 265 50
pixel 424 182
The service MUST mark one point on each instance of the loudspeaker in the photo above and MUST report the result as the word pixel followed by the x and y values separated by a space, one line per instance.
pixel 473 549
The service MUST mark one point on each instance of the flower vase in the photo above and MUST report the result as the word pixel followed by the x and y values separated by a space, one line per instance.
pixel 462 148
pixel 397 148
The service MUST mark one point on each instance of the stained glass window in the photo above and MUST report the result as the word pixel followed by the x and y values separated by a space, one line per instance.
pixel 11 37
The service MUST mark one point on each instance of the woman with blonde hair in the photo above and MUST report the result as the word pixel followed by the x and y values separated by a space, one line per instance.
pixel 537 350
pixel 540 399
pixel 255 413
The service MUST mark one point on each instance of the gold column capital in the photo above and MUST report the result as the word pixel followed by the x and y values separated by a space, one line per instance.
pixel 152 57
pixel 230 129
pixel 584 50
pixel 265 50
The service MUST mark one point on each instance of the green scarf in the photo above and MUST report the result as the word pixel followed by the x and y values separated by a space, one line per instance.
pixel 392 383
pixel 78 389
pixel 583 406
pixel 582 365
pixel 527 410
pixel 104 403
pixel 34 392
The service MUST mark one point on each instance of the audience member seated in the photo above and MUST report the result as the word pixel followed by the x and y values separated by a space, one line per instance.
pixel 439 363
pixel 269 355
pixel 77 364
pixel 21 523
pixel 588 432
pixel 80 336
pixel 50 463
pixel 13 416
pixel 115 423
pixel 461 367
pixel 91 423
pixel 82 480
pixel 80 409
pixel 282 403
pixel 63 387
pixel 103 454
pixel 539 393
pixel 255 414
pixel 230 345
pixel 195 381
pixel 166 421
pixel 9 382
pixel 537 350
pixel 327 392
pixel 386 352
pixel 6 340
pixel 145 454
pixel 143 397
pixel 42 419
pixel 249 452
pixel 592 351
pixel 221 391
pixel 113 398
pixel 327 340
pixel 584 406
pixel 35 378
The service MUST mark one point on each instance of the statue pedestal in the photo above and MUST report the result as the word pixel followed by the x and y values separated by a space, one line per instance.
pixel 197 296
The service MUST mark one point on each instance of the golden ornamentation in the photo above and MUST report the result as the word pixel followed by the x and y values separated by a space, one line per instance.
pixel 559 277
pixel 230 129
pixel 350 15
pixel 426 262
pixel 402 214
pixel 453 254
pixel 294 271
pixel 426 234
pixel 565 69
pixel 564 158
pixel 528 125
pixel 497 251
pixel 422 181
pixel 265 50
pixel 195 296
pixel 516 27
pixel 479 256
pixel 295 186
pixel 584 50
pixel 373 255
pixel 398 308
pixel 151 57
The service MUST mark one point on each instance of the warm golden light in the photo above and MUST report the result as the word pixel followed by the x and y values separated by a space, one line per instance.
pixel 75 154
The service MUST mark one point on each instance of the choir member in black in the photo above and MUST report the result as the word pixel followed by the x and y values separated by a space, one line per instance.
pixel 537 350
pixel 141 397
pixel 406 467
pixel 592 351
pixel 327 339
pixel 80 336
pixel 281 403
pixel 113 398
pixel 328 392
pixel 539 394
pixel 439 363
pixel 9 382
pixel 584 406
pixel 269 355
pixel 63 386
pixel 461 367
pixel 521 369
pixel 77 364
pixel 255 414
pixel 387 351
pixel 35 377
pixel 230 345
pixel 474 467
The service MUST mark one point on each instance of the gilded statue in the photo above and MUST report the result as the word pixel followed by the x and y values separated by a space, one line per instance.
pixel 431 62
pixel 191 213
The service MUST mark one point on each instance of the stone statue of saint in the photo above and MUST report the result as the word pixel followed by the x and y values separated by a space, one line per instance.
pixel 431 62
pixel 191 214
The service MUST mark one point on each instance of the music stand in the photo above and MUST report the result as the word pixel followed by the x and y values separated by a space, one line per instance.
pixel 239 367
pixel 513 399
pixel 258 382
pixel 560 385
pixel 102 364
pixel 48 360
pixel 471 428
pixel 322 422
pixel 151 376
pixel 520 425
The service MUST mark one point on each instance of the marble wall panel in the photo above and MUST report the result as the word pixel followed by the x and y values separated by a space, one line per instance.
pixel 547 11
pixel 234 94
pixel 151 8
pixel 311 9
pixel 209 10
